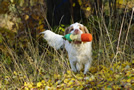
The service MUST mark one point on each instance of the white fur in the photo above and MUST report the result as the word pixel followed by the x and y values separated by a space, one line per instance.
pixel 54 40
pixel 76 26
pixel 80 55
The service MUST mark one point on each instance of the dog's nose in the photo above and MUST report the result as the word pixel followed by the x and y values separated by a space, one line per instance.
pixel 76 31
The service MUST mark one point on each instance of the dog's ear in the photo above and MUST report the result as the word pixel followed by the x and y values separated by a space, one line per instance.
pixel 67 30
pixel 85 29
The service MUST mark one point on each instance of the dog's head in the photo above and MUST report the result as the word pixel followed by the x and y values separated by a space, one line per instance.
pixel 76 28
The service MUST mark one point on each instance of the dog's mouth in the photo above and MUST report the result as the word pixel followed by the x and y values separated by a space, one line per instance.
pixel 77 42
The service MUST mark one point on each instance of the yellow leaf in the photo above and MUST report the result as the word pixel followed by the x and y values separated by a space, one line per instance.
pixel 24 76
pixel 62 84
pixel 110 79
pixel 121 1
pixel 91 78
pixel 43 81
pixel 133 60
pixel 68 72
pixel 39 84
pixel 80 2
pixel 117 76
pixel 80 78
pixel 88 8
pixel 62 25
pixel 26 88
pixel 73 4
pixel 55 76
pixel 26 17
pixel 59 81
pixel 70 83
pixel 15 73
pixel 66 80
pixel 72 79
pixel 35 17
pixel 115 87
pixel 30 85
pixel 108 88
pixel 12 1
pixel 40 22
pixel 65 75
pixel 25 83
pixel 128 73
pixel 1 38
pixel 41 26
pixel 129 80
pixel 61 28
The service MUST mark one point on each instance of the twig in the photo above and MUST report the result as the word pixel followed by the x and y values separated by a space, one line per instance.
pixel 128 29
pixel 120 32
pixel 108 34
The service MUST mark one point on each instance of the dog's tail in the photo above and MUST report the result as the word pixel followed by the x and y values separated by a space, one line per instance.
pixel 54 40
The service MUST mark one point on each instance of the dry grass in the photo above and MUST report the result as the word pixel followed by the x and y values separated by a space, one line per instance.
pixel 40 66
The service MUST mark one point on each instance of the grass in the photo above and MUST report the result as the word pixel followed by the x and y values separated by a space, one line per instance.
pixel 38 66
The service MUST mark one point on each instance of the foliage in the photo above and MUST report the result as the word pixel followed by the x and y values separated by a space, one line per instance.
pixel 27 62
pixel 19 21
pixel 118 76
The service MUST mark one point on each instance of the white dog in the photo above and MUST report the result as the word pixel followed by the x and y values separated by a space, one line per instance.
pixel 79 53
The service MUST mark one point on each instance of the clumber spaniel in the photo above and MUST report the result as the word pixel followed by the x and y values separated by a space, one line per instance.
pixel 79 53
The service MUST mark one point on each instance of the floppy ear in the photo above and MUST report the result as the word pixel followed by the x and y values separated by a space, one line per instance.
pixel 67 30
pixel 85 29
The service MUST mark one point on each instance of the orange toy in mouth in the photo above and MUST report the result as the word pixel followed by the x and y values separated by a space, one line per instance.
pixel 86 37
pixel 82 37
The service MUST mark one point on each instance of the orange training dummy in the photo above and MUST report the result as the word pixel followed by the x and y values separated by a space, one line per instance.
pixel 86 37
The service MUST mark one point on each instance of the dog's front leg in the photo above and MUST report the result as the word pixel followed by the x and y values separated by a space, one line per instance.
pixel 87 66
pixel 73 66
pixel 79 66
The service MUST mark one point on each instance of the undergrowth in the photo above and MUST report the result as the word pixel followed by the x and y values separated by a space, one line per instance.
pixel 50 70
pixel 38 66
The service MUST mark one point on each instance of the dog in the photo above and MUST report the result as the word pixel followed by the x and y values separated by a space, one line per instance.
pixel 79 53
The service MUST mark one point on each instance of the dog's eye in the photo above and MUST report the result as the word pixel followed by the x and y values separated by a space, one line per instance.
pixel 71 29
pixel 80 28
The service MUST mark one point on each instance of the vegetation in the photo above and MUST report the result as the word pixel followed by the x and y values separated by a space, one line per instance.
pixel 27 62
